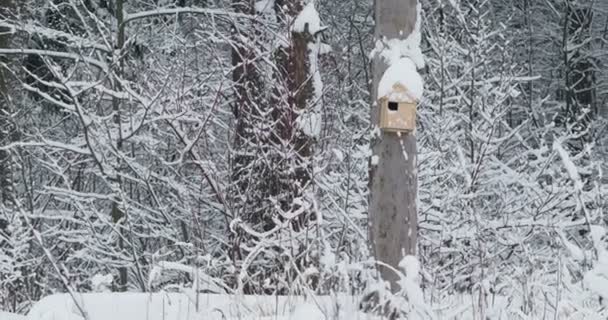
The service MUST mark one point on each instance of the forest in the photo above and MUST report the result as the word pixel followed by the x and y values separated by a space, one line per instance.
pixel 237 148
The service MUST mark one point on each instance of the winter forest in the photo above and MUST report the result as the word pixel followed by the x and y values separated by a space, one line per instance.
pixel 228 152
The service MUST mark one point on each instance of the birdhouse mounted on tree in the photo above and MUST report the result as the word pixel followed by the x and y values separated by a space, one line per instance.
pixel 399 91
pixel 397 111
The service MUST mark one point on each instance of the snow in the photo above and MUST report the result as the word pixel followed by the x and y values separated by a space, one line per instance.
pixel 101 283
pixel 310 123
pixel 402 72
pixel 58 54
pixel 180 306
pixel 264 7
pixel 10 316
pixel 570 167
pixel 325 48
pixel 186 10
pixel 204 281
pixel 392 50
pixel 339 154
pixel 411 266
pixel 403 57
pixel 575 251
pixel 308 16
pixel 597 233
pixel 375 160
pixel 596 280
pixel 314 50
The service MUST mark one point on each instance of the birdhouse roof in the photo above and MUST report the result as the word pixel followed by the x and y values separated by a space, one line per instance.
pixel 401 82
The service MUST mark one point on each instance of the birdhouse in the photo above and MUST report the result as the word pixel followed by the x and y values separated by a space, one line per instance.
pixel 397 110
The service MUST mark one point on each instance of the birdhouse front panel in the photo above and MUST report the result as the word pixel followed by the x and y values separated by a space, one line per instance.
pixel 397 116
pixel 397 109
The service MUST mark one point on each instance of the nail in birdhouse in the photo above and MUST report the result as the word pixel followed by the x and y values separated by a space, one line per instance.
pixel 397 111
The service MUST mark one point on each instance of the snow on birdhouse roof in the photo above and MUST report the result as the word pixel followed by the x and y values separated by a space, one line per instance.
pixel 401 82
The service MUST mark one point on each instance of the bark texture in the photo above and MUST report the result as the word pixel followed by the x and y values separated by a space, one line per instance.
pixel 5 124
pixel 393 180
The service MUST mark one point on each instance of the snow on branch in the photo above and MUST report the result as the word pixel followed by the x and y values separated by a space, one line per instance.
pixel 70 39
pixel 57 54
pixel 210 283
pixel 570 167
pixel 177 11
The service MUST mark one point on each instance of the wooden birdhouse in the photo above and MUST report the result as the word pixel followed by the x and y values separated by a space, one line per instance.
pixel 397 110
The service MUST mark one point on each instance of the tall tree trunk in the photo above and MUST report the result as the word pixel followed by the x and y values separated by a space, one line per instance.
pixel 117 214
pixel 272 167
pixel 249 111
pixel 6 182
pixel 580 68
pixel 5 124
pixel 295 65
pixel 393 178
pixel 293 94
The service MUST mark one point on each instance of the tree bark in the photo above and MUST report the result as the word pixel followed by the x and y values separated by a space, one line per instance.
pixel 273 154
pixel 578 90
pixel 294 67
pixel 5 123
pixel 393 180
pixel 249 109
pixel 117 214
pixel 6 136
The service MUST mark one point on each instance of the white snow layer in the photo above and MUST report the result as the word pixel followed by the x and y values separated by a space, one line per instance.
pixel 309 123
pixel 101 283
pixel 403 57
pixel 308 16
pixel 10 316
pixel 411 266
pixel 314 50
pixel 203 280
pixel 596 279
pixel 178 306
pixel 402 72
pixel 264 7
pixel 570 167
pixel 392 50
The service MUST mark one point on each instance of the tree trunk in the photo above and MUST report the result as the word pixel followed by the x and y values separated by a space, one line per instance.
pixel 393 178
pixel 273 153
pixel 6 180
pixel 117 214
pixel 249 111
pixel 294 67
pixel 265 123
pixel 580 69
pixel 5 123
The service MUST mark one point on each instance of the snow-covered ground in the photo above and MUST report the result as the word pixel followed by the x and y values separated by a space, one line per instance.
pixel 10 316
pixel 180 306
pixel 177 306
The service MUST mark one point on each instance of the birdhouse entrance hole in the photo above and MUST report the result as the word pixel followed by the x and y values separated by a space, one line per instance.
pixel 393 106
pixel 397 110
